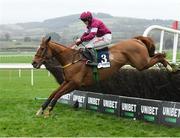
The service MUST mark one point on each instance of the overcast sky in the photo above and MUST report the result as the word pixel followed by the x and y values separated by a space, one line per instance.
pixel 15 11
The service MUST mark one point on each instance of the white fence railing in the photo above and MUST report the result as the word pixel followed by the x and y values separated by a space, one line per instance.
pixel 165 29
pixel 19 67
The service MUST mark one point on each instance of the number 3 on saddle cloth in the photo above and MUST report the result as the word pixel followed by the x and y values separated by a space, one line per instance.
pixel 103 58
pixel 98 58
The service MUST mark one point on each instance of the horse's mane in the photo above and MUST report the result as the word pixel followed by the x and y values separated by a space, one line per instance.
pixel 58 43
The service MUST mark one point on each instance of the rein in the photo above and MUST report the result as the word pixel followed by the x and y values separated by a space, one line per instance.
pixel 69 64
pixel 72 62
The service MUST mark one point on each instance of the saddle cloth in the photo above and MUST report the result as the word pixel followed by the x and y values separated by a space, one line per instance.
pixel 101 56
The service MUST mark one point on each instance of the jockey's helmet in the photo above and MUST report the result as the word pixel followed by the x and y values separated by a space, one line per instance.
pixel 86 16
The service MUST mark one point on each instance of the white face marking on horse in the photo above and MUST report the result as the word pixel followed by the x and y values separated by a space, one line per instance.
pixel 38 47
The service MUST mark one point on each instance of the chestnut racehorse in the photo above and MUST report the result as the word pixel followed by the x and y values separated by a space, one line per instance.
pixel 137 52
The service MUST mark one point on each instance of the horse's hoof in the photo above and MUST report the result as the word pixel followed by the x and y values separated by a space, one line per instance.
pixel 46 114
pixel 175 68
pixel 39 112
pixel 169 68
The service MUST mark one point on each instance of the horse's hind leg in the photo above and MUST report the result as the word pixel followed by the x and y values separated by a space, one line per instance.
pixel 159 57
pixel 166 64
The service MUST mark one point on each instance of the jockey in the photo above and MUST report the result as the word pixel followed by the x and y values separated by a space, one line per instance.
pixel 96 34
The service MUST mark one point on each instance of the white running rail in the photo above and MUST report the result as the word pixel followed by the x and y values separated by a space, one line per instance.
pixel 21 66
pixel 165 29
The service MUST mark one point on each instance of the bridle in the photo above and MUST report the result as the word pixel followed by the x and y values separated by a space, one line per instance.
pixel 43 55
pixel 44 58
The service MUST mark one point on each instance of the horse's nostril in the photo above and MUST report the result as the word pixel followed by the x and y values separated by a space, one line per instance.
pixel 33 62
pixel 44 62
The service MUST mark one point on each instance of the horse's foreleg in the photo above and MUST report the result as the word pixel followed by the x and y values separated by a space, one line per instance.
pixel 66 89
pixel 39 112
pixel 46 103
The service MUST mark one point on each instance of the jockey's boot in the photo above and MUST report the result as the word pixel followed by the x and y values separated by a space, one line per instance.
pixel 91 63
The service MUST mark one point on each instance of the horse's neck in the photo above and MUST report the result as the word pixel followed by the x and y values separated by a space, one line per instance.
pixel 61 53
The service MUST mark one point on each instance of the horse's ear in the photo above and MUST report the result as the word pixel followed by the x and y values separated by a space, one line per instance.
pixel 49 38
pixel 43 38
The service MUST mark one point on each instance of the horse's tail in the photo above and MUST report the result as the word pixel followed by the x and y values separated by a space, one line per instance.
pixel 149 43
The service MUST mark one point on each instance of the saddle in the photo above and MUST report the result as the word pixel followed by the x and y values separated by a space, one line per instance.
pixel 97 57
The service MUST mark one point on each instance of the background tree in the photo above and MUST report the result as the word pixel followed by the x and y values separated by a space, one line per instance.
pixel 27 39
pixel 7 36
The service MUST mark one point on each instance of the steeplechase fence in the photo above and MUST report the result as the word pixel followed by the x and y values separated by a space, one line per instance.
pixel 154 111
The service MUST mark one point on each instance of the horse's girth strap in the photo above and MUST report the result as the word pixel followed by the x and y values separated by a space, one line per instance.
pixel 95 74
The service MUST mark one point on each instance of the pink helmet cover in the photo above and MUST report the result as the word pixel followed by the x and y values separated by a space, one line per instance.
pixel 86 15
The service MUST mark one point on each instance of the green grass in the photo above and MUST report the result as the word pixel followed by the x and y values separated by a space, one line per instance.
pixel 170 55
pixel 18 108
pixel 16 59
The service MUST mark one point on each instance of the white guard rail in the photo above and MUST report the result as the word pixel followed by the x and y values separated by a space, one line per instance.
pixel 21 66
pixel 165 29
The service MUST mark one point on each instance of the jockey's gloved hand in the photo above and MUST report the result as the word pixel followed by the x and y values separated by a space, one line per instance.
pixel 78 41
